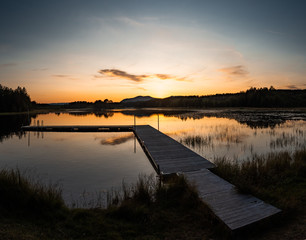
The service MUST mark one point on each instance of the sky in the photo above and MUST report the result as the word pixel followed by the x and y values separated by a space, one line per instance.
pixel 86 50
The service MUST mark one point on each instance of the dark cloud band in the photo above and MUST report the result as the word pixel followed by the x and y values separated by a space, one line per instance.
pixel 138 78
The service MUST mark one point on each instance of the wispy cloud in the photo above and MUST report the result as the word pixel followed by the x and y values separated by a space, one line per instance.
pixel 275 32
pixel 61 76
pixel 40 69
pixel 170 77
pixel 292 87
pixel 153 19
pixel 122 74
pixel 142 88
pixel 5 65
pixel 69 77
pixel 116 73
pixel 238 71
pixel 130 21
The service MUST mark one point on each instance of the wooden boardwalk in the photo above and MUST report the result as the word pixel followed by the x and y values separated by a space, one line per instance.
pixel 234 209
pixel 169 155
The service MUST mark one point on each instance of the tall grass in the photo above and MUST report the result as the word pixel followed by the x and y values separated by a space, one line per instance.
pixel 175 192
pixel 279 178
pixel 22 195
pixel 146 210
pixel 163 210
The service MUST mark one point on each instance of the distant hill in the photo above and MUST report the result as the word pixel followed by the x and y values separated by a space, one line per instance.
pixel 253 97
pixel 58 104
pixel 136 99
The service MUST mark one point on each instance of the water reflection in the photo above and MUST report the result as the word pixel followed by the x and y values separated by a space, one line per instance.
pixel 78 162
pixel 11 125
pixel 87 164
pixel 117 140
pixel 105 114
pixel 252 118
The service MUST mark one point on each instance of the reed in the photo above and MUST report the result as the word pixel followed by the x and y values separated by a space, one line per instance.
pixel 279 178
pixel 22 195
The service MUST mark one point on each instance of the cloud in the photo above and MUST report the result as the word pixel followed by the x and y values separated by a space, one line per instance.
pixel 130 21
pixel 65 76
pixel 238 71
pixel 275 32
pixel 5 65
pixel 61 76
pixel 141 88
pixel 163 76
pixel 292 87
pixel 40 69
pixel 122 74
pixel 137 78
pixel 170 77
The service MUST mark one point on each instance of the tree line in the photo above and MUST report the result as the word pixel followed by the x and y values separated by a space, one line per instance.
pixel 12 100
pixel 18 100
pixel 253 97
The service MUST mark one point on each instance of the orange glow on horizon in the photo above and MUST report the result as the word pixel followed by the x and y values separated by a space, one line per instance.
pixel 157 91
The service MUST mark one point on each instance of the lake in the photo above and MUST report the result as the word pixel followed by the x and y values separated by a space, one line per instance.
pixel 87 165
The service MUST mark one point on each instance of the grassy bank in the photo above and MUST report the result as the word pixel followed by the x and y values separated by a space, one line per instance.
pixel 147 210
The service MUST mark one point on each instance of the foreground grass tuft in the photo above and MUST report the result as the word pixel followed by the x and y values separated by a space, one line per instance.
pixel 20 195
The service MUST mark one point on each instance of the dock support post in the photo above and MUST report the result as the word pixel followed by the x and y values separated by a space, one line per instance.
pixel 134 122
pixel 134 143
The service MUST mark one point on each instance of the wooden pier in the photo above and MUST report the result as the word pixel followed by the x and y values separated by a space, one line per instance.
pixel 169 155
pixel 234 209
pixel 80 128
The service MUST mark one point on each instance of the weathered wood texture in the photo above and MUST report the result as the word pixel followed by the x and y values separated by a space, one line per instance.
pixel 236 210
pixel 169 155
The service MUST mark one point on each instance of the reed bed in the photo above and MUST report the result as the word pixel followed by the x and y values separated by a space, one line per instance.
pixel 279 178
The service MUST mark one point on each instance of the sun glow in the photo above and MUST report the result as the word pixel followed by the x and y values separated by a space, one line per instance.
pixel 159 88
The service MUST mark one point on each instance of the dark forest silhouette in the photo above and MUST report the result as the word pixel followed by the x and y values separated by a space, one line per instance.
pixel 253 97
pixel 16 100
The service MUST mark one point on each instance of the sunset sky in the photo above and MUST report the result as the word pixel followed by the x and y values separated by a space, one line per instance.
pixel 74 50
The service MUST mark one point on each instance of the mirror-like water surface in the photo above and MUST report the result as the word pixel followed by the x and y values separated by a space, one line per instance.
pixel 86 165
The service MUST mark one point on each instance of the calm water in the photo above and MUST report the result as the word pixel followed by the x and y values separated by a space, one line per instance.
pixel 86 165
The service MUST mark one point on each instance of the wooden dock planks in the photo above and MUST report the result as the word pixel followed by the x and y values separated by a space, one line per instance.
pixel 236 210
pixel 168 154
